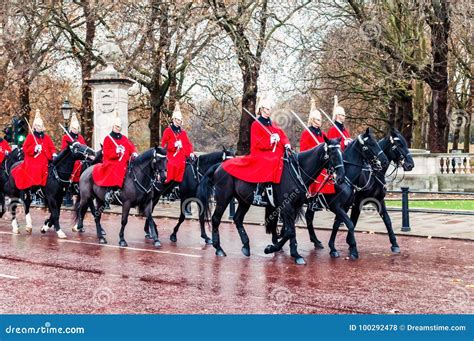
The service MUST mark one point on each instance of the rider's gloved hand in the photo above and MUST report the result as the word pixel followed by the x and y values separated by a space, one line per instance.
pixel 347 141
pixel 134 156
pixel 120 150
pixel 38 148
pixel 274 138
pixel 192 156
pixel 55 156
pixel 287 146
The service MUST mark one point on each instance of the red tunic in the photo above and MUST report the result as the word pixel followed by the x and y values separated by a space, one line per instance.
pixel 262 164
pixel 33 171
pixel 4 147
pixel 176 156
pixel 307 142
pixel 333 133
pixel 111 172
pixel 76 173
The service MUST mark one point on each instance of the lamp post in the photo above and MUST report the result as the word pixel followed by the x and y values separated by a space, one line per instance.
pixel 66 110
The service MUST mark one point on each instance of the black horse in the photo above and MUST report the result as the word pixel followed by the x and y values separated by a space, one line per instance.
pixel 74 189
pixel 362 158
pixel 13 157
pixel 193 173
pixel 395 148
pixel 299 171
pixel 144 174
pixel 59 173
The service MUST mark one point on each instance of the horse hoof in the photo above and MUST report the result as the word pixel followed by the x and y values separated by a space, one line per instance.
pixel 318 245
pixel 123 243
pixel 300 261
pixel 28 229
pixel 220 253
pixel 148 236
pixel 354 255
pixel 246 251
pixel 395 249
pixel 61 234
pixel 157 244
pixel 173 238
pixel 269 249
pixel 102 240
pixel 82 230
pixel 74 228
pixel 334 254
pixel 44 229
pixel 15 230
pixel 208 241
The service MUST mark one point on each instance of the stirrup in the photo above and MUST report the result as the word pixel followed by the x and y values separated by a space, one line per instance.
pixel 269 191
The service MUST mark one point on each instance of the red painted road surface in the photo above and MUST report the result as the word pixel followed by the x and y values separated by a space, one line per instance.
pixel 41 274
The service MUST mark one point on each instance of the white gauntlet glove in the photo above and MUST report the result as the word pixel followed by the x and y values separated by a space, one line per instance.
pixel 274 138
pixel 287 146
pixel 347 141
pixel 120 149
pixel 38 148
pixel 178 144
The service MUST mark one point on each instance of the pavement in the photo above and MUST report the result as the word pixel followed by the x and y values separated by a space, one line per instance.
pixel 42 274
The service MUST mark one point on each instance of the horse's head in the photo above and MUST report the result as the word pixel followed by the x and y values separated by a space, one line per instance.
pixel 336 162
pixel 81 151
pixel 159 164
pixel 371 151
pixel 227 153
pixel 398 151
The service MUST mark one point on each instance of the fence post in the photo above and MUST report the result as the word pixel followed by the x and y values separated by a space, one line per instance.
pixel 232 209
pixel 405 212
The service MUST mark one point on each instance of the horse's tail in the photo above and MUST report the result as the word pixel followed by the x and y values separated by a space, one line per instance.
pixel 204 192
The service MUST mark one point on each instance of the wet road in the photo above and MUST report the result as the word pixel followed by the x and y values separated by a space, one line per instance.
pixel 41 274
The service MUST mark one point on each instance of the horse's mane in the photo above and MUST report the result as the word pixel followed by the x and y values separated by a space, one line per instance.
pixel 210 158
pixel 148 155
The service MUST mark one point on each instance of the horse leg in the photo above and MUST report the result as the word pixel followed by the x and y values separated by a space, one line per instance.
pixel 286 231
pixel 293 243
pixel 239 216
pixel 29 225
pixel 309 216
pixel 202 225
pixel 125 212
pixel 151 223
pixel 271 222
pixel 335 228
pixel 388 224
pixel 97 212
pixel 15 228
pixel 350 239
pixel 182 216
pixel 216 220
pixel 55 211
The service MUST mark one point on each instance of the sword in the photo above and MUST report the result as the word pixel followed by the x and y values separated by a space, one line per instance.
pixel 334 124
pixel 307 129
pixel 261 124
pixel 67 133
pixel 32 133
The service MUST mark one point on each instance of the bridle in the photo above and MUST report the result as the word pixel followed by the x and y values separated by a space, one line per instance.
pixel 157 174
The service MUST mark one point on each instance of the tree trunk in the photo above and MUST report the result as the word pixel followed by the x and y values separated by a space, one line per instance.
pixel 24 99
pixel 156 104
pixel 87 113
pixel 438 137
pixel 406 107
pixel 249 102
pixel 419 115
pixel 467 125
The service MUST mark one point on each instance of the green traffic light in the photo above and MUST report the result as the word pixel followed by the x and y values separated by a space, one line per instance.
pixel 21 138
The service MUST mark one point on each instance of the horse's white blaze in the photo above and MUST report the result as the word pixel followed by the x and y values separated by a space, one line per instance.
pixel 15 228
pixel 61 234
pixel 29 223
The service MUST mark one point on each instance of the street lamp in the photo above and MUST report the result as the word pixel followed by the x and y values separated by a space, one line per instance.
pixel 66 110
